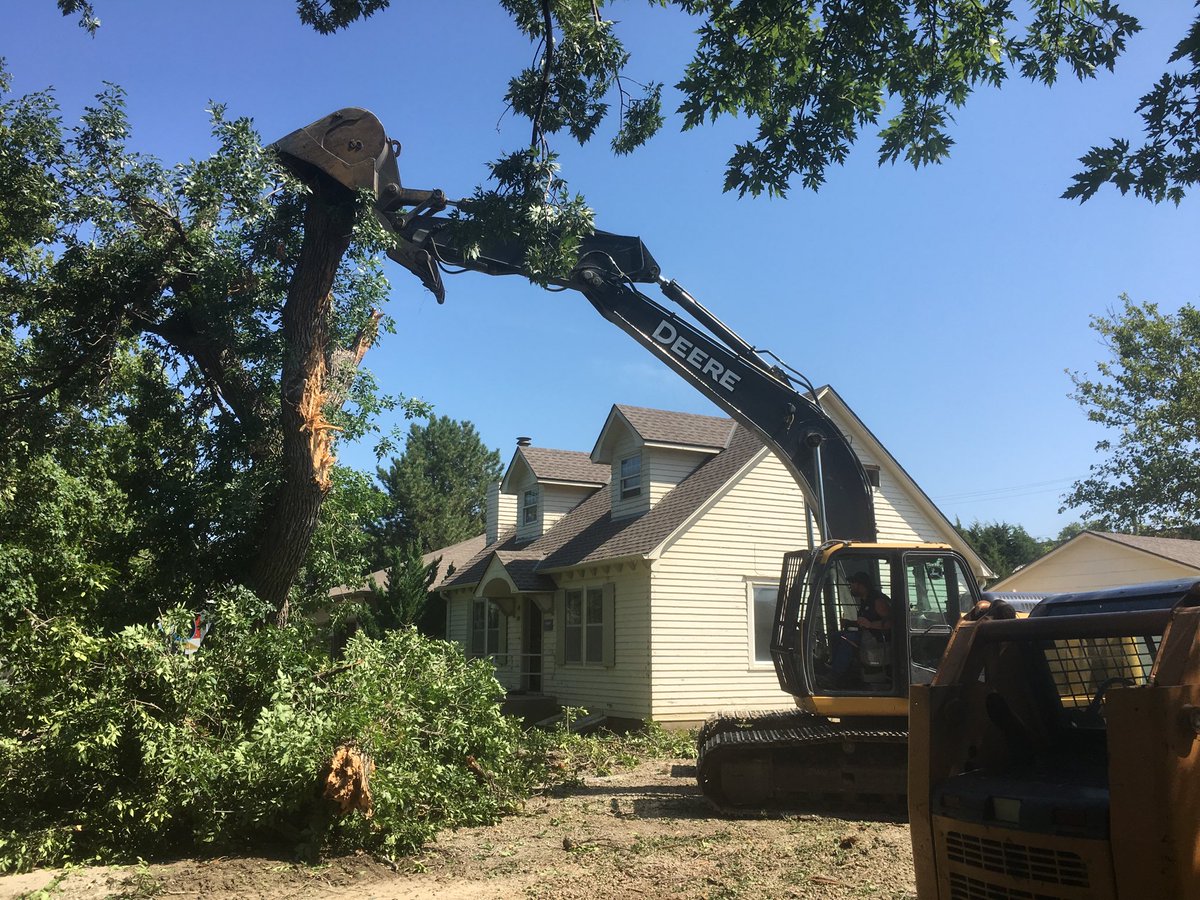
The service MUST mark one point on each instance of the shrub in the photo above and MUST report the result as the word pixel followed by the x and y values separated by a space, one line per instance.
pixel 118 746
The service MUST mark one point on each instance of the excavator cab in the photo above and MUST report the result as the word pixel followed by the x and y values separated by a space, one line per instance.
pixel 856 623
pixel 861 620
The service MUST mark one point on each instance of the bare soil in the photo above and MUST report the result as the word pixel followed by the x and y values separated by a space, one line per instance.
pixel 641 833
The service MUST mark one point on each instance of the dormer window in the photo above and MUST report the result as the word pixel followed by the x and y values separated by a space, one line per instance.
pixel 529 510
pixel 631 476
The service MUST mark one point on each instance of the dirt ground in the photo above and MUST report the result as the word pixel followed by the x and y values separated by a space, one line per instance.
pixel 642 833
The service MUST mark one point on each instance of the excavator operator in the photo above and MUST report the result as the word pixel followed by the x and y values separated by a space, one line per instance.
pixel 874 622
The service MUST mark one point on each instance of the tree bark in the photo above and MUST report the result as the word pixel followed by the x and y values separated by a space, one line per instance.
pixel 306 457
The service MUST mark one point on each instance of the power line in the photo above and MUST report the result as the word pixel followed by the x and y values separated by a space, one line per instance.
pixel 1016 490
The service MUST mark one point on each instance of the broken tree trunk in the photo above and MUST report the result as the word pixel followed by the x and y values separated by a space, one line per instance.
pixel 306 451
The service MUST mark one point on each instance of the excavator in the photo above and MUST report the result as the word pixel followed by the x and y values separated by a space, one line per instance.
pixel 846 739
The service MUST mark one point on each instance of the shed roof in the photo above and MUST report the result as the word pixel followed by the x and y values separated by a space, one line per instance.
pixel 452 560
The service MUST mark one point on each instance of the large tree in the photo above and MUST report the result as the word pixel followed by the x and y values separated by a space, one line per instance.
pixel 1147 394
pixel 437 487
pixel 178 344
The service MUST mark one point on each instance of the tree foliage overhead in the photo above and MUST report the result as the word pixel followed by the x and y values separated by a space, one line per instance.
pixel 814 76
pixel 437 487
pixel 1147 394
pixel 1168 162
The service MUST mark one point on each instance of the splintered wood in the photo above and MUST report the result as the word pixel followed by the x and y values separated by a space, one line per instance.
pixel 323 389
pixel 318 428
pixel 347 784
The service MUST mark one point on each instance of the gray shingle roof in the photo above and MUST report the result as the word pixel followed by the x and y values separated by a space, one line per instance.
pixel 1175 549
pixel 564 465
pixel 659 426
pixel 588 533
pixel 453 558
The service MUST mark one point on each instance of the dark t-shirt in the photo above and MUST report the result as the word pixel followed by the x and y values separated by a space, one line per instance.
pixel 868 607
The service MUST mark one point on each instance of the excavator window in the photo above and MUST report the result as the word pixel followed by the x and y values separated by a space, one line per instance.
pixel 853 628
pixel 937 589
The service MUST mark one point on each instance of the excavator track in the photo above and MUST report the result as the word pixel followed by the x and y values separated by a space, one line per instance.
pixel 800 760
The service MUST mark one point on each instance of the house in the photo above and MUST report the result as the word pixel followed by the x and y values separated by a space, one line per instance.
pixel 639 580
pixel 1098 559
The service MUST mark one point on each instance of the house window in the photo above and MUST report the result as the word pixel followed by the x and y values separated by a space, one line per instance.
pixel 529 507
pixel 762 619
pixel 872 475
pixel 583 626
pixel 631 477
pixel 485 629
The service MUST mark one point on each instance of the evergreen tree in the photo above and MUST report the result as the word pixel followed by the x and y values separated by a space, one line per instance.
pixel 437 487
pixel 1004 547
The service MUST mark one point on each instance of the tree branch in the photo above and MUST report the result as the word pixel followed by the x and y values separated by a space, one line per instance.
pixel 547 67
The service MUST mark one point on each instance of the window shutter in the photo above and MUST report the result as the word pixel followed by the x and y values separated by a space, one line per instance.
pixel 502 640
pixel 560 618
pixel 610 632
pixel 478 636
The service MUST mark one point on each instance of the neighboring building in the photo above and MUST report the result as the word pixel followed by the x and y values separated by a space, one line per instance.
pixel 450 560
pixel 1097 559
pixel 638 581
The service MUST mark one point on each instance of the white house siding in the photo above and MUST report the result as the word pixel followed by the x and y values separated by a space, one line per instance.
pixel 897 516
pixel 1090 563
pixel 668 467
pixel 554 502
pixel 558 500
pixel 627 444
pixel 458 618
pixel 702 650
pixel 624 689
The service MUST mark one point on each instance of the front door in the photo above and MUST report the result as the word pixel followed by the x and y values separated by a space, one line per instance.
pixel 531 650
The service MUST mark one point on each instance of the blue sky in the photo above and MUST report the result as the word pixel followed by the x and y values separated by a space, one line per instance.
pixel 944 305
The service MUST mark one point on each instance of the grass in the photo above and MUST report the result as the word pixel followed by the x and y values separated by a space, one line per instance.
pixel 570 756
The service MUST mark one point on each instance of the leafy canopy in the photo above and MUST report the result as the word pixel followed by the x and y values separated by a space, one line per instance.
pixel 1147 394
pixel 142 353
pixel 813 76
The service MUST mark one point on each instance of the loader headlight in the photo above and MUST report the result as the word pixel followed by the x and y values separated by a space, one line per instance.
pixel 1006 809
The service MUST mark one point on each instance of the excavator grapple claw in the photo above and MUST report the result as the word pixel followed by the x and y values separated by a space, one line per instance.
pixel 348 146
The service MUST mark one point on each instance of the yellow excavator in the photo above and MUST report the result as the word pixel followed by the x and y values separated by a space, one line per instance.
pixel 1058 756
pixel 846 656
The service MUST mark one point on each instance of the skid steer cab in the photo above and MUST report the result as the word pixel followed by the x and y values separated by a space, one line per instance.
pixel 1058 756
